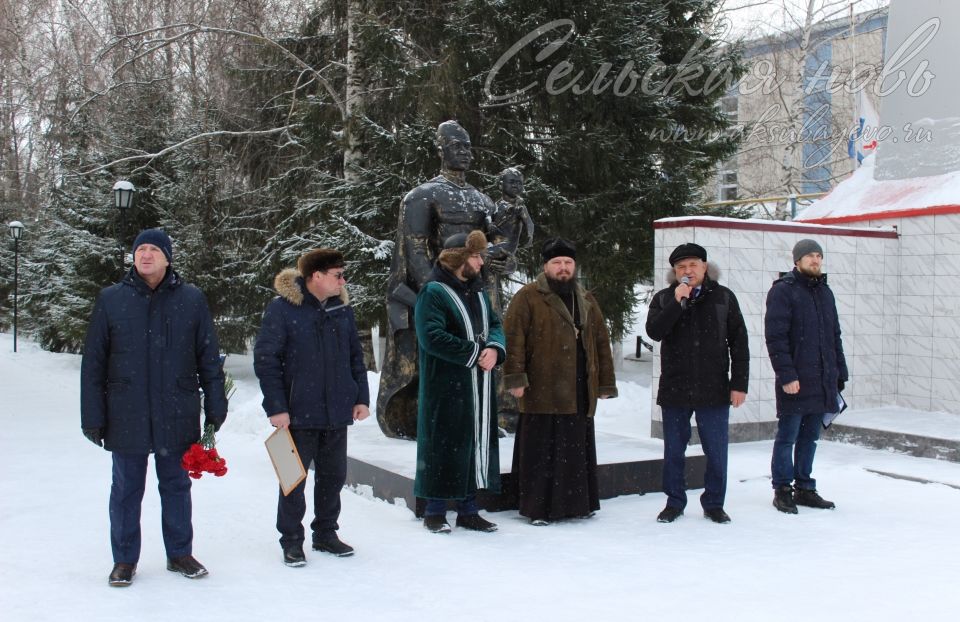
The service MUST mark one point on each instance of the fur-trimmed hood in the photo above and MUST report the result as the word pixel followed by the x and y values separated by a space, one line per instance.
pixel 713 273
pixel 290 287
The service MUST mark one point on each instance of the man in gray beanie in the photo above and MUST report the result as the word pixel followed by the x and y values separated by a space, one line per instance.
pixel 803 340
pixel 806 247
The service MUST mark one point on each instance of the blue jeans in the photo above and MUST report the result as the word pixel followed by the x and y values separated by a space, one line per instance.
pixel 126 495
pixel 713 426
pixel 793 450
pixel 465 507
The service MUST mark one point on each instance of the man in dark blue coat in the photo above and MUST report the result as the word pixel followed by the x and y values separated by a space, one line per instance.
pixel 704 369
pixel 150 348
pixel 803 340
pixel 309 361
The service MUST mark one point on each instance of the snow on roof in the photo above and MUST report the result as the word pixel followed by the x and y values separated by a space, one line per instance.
pixel 860 197
pixel 762 224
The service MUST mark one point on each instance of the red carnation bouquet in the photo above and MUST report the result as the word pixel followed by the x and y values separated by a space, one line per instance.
pixel 203 458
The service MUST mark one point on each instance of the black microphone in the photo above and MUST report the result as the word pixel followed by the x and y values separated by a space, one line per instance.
pixel 685 300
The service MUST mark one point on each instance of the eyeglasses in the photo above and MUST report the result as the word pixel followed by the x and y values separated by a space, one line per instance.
pixel 338 275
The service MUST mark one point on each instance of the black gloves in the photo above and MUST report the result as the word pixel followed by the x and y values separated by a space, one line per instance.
pixel 216 423
pixel 95 435
pixel 840 384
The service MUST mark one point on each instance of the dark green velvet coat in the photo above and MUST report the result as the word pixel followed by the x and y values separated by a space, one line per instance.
pixel 457 451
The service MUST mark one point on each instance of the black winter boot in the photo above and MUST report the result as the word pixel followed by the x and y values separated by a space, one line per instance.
pixel 475 522
pixel 811 499
pixel 293 556
pixel 122 575
pixel 436 524
pixel 783 499
pixel 187 565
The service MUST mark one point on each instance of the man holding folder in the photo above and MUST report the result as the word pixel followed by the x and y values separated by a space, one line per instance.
pixel 310 365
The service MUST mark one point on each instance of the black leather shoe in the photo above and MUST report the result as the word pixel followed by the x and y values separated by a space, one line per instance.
pixel 783 499
pixel 475 522
pixel 717 515
pixel 669 514
pixel 333 546
pixel 811 499
pixel 436 524
pixel 293 556
pixel 122 575
pixel 187 566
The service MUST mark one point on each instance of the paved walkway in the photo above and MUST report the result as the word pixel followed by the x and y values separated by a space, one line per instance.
pixel 913 432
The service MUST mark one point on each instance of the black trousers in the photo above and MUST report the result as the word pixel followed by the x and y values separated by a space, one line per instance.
pixel 327 450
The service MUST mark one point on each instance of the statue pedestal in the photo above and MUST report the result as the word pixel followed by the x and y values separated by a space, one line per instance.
pixel 626 466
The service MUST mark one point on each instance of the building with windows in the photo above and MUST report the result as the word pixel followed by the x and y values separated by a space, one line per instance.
pixel 797 106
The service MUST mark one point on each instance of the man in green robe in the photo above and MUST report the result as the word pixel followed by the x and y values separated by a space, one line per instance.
pixel 460 341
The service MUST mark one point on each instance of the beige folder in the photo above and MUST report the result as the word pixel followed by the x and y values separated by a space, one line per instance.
pixel 286 460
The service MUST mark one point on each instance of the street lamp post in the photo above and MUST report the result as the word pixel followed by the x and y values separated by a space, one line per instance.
pixel 123 198
pixel 16 230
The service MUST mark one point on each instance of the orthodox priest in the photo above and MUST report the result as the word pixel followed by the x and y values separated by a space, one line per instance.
pixel 558 365
pixel 429 214
pixel 461 341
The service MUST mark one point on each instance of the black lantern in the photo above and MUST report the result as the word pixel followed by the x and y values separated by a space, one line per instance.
pixel 123 195
pixel 123 192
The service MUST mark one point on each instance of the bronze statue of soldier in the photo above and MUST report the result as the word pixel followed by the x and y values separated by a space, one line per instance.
pixel 429 214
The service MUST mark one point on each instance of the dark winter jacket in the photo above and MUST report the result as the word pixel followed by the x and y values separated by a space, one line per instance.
pixel 803 340
pixel 542 353
pixel 308 358
pixel 700 345
pixel 147 355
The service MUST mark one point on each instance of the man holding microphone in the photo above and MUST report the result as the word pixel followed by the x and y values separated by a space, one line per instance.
pixel 704 369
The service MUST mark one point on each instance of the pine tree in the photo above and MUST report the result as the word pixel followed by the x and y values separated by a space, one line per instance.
pixel 333 122
pixel 75 249
pixel 592 160
pixel 597 171
pixel 83 242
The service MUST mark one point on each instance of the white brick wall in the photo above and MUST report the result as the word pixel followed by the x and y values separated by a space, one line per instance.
pixel 880 322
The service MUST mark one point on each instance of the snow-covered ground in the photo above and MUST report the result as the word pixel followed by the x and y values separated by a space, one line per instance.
pixel 889 552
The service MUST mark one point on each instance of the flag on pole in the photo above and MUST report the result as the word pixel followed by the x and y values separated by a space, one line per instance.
pixel 863 139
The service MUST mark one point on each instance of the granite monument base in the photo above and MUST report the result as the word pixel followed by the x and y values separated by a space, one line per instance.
pixel 627 466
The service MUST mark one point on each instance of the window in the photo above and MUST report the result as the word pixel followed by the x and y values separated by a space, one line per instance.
pixel 727 180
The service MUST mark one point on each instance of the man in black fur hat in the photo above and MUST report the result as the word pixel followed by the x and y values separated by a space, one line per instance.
pixel 309 361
